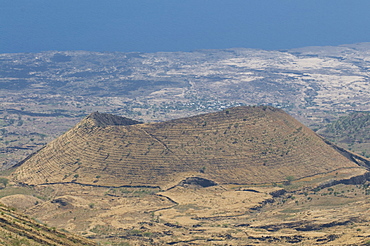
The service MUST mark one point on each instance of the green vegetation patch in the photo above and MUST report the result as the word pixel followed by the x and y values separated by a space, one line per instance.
pixel 11 190
pixel 132 192
pixel 352 132
pixel 183 208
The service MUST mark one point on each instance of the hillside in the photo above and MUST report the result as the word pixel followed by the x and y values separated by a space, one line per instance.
pixel 241 176
pixel 242 145
pixel 17 229
pixel 350 132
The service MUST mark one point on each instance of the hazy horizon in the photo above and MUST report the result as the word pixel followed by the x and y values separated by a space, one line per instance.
pixel 167 25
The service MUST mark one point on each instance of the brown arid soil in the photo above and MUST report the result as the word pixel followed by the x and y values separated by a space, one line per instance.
pixel 18 229
pixel 243 176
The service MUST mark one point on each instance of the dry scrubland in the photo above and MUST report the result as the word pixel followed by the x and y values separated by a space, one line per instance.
pixel 243 176
pixel 350 132
pixel 217 215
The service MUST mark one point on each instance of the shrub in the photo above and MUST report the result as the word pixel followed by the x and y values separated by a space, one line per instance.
pixel 4 181
pixel 289 180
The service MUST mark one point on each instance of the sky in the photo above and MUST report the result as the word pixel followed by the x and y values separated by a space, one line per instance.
pixel 179 25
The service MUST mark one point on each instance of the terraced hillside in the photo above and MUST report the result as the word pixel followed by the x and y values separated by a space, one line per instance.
pixel 17 229
pixel 242 145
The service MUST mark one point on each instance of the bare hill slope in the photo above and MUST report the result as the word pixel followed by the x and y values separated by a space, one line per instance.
pixel 17 229
pixel 242 145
